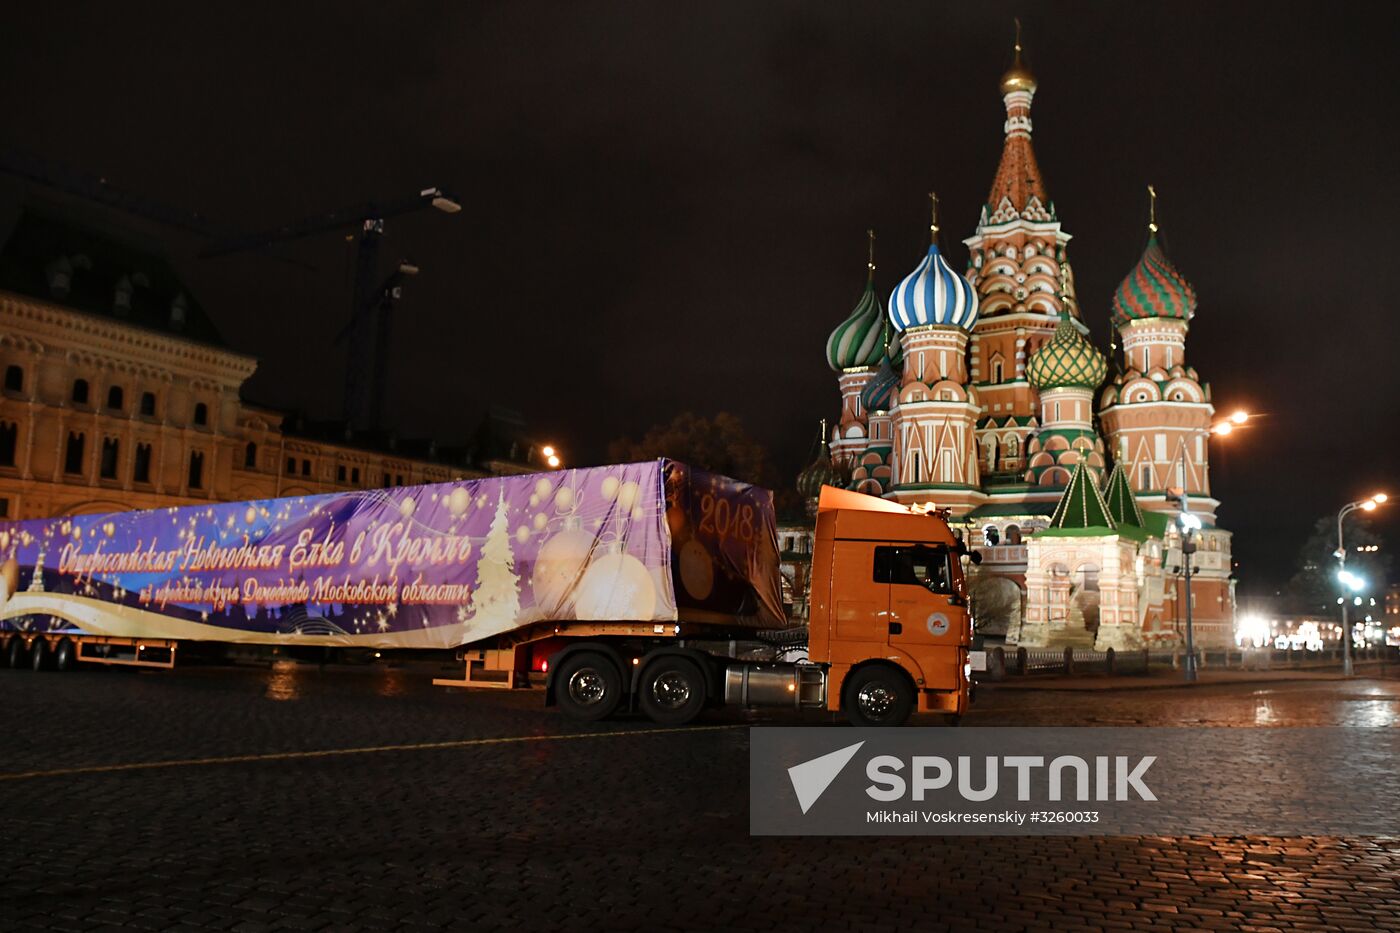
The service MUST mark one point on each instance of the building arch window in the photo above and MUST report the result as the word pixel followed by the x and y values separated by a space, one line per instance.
pixel 148 404
pixel 1057 411
pixel 340 473
pixel 306 468
pixel 201 413
pixel 250 455
pixel 14 379
pixel 1013 447
pixel 196 470
pixel 115 398
pixel 141 468
pixel 1146 477
pixel 355 475
pixel 9 440
pixel 291 465
pixel 1013 534
pixel 73 453
pixel 108 466
pixel 80 391
pixel 991 536
pixel 997 370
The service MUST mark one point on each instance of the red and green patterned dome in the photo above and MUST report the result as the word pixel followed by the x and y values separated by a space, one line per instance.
pixel 1067 360
pixel 1154 289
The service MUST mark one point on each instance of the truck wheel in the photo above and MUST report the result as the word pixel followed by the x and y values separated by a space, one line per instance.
pixel 878 695
pixel 672 691
pixel 39 654
pixel 14 653
pixel 588 687
pixel 65 656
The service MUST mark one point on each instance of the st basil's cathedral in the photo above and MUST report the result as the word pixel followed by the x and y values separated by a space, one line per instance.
pixel 981 393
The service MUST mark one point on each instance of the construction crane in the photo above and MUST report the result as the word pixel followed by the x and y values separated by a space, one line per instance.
pixel 366 371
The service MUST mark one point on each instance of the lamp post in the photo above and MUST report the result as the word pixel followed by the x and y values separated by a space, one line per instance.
pixel 1350 580
pixel 1188 524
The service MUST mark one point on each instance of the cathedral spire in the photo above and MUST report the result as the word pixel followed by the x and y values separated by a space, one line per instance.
pixel 1018 180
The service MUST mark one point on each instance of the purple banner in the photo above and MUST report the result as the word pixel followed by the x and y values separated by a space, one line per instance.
pixel 416 567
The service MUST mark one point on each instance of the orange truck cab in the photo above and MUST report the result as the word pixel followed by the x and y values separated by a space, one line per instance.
pixel 889 610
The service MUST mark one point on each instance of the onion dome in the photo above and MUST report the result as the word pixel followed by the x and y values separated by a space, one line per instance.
pixel 880 392
pixel 820 472
pixel 1018 77
pixel 933 294
pixel 1154 289
pixel 1068 359
pixel 857 343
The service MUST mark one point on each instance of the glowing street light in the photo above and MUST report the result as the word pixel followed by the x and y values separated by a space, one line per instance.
pixel 553 461
pixel 1240 417
pixel 1367 505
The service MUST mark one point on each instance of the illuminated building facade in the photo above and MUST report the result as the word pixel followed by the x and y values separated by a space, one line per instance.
pixel 989 399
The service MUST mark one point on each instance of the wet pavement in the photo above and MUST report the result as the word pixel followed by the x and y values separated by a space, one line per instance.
pixel 301 799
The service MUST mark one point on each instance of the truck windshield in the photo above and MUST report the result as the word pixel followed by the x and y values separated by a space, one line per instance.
pixel 916 565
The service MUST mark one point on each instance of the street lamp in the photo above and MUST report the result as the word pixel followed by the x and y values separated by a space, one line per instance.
pixel 1345 577
pixel 1189 524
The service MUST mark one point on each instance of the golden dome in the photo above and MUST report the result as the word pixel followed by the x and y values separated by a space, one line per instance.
pixel 1018 77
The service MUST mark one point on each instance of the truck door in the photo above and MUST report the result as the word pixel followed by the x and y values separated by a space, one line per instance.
pixel 926 618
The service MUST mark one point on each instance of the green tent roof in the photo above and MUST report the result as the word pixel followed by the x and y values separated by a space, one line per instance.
pixel 1081 506
pixel 1122 505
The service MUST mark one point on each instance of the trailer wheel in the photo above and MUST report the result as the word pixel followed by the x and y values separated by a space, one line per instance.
pixel 14 652
pixel 672 691
pixel 878 695
pixel 588 687
pixel 65 656
pixel 39 655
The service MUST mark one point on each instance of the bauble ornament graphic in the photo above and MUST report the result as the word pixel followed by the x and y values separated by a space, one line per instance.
pixel 615 587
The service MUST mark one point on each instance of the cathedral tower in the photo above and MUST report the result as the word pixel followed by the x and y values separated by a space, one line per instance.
pixel 1017 266
pixel 854 350
pixel 1065 373
pixel 935 413
pixel 1156 413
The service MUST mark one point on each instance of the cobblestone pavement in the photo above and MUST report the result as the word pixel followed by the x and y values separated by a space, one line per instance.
pixel 585 827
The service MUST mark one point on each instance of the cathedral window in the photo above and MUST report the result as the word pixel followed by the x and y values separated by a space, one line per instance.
pixel 250 455
pixel 1146 477
pixel 14 379
pixel 115 398
pixel 80 391
pixel 201 413
pixel 996 370
pixel 148 404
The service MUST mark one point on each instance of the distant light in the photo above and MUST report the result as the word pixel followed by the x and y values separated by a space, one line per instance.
pixel 1357 600
pixel 1224 428
pixel 548 451
pixel 1240 417
pixel 553 461
pixel 408 268
pixel 441 201
pixel 1369 505
pixel 1189 521
pixel 1379 497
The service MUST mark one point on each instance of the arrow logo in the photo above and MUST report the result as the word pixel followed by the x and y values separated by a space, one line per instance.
pixel 811 778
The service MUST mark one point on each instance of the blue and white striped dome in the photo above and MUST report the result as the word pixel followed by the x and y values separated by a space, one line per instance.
pixel 933 294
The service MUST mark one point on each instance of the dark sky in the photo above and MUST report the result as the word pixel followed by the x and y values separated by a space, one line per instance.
pixel 666 203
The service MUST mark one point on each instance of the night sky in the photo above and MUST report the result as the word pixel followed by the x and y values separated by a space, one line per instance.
pixel 666 204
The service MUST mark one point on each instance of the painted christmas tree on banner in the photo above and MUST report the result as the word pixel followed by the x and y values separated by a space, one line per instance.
pixel 495 603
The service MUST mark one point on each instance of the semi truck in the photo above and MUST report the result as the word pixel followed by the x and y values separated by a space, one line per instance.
pixel 647 587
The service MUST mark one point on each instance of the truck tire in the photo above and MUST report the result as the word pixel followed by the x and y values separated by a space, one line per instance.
pixel 65 656
pixel 39 655
pixel 14 653
pixel 878 695
pixel 671 691
pixel 588 687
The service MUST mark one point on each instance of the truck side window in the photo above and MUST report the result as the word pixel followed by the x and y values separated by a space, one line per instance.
pixel 915 565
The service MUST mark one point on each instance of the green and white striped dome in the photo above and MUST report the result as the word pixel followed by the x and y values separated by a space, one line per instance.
pixel 858 341
pixel 1067 360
